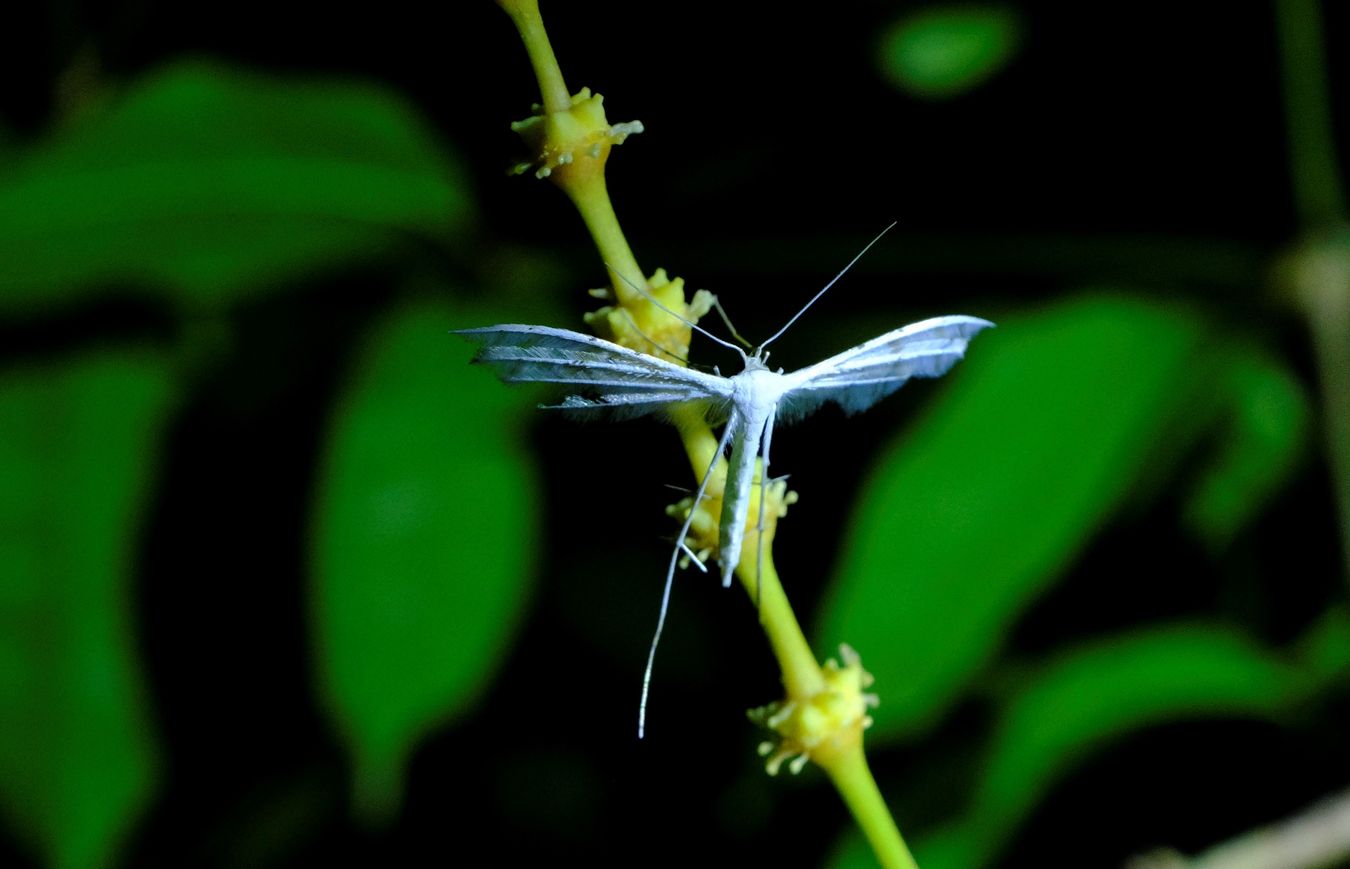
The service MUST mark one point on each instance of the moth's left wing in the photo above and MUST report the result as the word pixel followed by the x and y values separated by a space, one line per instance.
pixel 607 378
pixel 858 378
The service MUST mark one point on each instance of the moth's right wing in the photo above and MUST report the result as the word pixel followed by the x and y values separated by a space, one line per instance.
pixel 609 379
pixel 858 378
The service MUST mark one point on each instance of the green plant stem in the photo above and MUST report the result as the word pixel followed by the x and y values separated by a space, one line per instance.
pixel 1318 194
pixel 588 192
pixel 1322 263
pixel 1331 335
pixel 584 184
pixel 802 677
pixel 1322 276
pixel 597 210
pixel 801 672
pixel 552 88
pixel 853 779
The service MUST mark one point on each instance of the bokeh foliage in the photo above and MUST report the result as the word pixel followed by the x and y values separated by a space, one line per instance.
pixel 1066 453
pixel 406 547
pixel 204 183
pixel 80 439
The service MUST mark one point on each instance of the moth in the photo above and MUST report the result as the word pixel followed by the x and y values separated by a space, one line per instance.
pixel 612 380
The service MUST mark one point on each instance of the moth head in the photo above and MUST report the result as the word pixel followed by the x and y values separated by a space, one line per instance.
pixel 755 361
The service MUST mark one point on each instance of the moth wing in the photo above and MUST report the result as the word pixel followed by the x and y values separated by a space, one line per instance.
pixel 610 380
pixel 858 378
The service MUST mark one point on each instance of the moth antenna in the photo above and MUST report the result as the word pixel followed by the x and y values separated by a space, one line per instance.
pixel 722 312
pixel 696 327
pixel 827 286
pixel 670 579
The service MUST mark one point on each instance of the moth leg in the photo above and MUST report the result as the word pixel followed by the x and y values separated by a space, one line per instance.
pixel 693 556
pixel 763 498
pixel 670 577
pixel 722 312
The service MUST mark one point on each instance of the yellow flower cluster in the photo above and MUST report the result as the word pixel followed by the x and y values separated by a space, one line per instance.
pixel 639 325
pixel 818 727
pixel 577 140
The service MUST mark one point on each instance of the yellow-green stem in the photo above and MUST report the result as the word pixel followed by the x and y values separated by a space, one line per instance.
pixel 591 198
pixel 853 779
pixel 1324 259
pixel 802 675
pixel 1323 275
pixel 1318 194
pixel 801 672
pixel 552 88
pixel 699 443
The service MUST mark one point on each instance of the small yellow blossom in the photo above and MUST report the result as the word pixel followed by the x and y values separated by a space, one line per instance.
pixel 576 141
pixel 822 725
pixel 642 326
pixel 704 532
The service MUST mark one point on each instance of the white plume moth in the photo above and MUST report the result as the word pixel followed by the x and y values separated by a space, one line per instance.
pixel 613 380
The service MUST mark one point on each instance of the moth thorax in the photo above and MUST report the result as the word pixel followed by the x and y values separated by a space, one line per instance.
pixel 758 385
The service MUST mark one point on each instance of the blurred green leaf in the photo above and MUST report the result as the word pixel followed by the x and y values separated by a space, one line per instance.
pixel 1264 426
pixel 1324 651
pixel 942 52
pixel 211 182
pixel 968 517
pixel 946 848
pixel 1093 695
pixel 78 443
pixel 426 532
pixel 1081 702
pixel 851 851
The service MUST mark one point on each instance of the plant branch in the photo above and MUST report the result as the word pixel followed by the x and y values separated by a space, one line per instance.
pixel 1320 836
pixel 1318 194
pixel 825 711
pixel 552 88
pixel 1321 264
pixel 853 779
